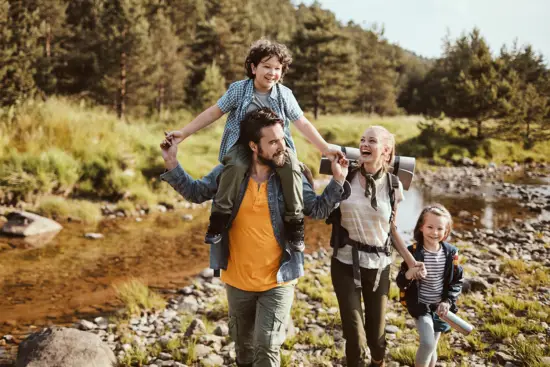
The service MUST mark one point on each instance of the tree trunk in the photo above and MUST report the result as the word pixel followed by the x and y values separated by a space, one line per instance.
pixel 479 131
pixel 48 40
pixel 160 97
pixel 122 87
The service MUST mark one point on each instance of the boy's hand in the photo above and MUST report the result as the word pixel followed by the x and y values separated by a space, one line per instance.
pixel 175 136
pixel 443 308
pixel 333 153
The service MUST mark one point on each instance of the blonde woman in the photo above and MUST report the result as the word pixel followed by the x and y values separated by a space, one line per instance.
pixel 363 233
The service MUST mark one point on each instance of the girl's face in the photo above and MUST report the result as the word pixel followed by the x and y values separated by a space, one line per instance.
pixel 434 229
pixel 372 147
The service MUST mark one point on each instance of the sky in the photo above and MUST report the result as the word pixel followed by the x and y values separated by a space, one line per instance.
pixel 420 25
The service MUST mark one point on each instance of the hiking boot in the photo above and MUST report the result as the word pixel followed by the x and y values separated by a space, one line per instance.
pixel 294 235
pixel 218 222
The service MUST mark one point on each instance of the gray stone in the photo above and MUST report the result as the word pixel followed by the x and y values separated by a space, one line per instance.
pixel 202 351
pixel 187 217
pixel 392 329
pixel 502 357
pixel 94 236
pixel 475 284
pixel 207 273
pixel 29 224
pixel 212 360
pixel 195 328
pixel 87 325
pixel 221 330
pixel 64 347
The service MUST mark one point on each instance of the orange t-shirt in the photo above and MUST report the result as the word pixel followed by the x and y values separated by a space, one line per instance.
pixel 254 253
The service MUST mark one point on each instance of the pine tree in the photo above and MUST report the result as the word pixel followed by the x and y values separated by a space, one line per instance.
pixel 467 84
pixel 323 73
pixel 170 72
pixel 377 76
pixel 212 87
pixel 81 70
pixel 126 55
pixel 52 32
pixel 19 33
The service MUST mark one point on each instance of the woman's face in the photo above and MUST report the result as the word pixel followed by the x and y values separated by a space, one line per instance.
pixel 372 148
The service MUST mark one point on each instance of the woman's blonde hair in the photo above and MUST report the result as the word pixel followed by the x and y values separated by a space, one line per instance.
pixel 389 143
pixel 436 209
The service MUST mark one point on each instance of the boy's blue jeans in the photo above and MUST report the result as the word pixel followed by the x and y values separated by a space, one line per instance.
pixel 257 323
pixel 237 163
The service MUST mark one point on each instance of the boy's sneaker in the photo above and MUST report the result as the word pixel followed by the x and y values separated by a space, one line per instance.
pixel 294 234
pixel 218 222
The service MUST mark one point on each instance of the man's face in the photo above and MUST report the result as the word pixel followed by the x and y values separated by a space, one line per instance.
pixel 271 149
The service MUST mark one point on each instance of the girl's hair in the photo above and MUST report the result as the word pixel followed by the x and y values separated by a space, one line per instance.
pixel 436 209
pixel 389 142
pixel 263 48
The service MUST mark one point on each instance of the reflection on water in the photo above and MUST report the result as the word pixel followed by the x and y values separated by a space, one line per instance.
pixel 493 212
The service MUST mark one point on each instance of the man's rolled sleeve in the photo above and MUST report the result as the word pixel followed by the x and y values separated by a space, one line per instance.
pixel 195 191
pixel 320 206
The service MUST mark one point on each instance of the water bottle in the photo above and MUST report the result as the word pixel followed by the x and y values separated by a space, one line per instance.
pixel 457 323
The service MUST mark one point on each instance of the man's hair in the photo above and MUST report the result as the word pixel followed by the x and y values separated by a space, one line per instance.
pixel 265 48
pixel 253 122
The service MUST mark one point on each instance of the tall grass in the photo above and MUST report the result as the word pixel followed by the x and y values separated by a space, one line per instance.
pixel 136 296
pixel 63 147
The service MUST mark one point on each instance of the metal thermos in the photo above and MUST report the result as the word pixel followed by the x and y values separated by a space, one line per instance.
pixel 457 323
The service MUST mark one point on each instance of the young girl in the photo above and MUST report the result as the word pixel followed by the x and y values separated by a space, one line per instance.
pixel 429 298
pixel 360 266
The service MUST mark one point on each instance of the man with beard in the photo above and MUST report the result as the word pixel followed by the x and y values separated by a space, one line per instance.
pixel 260 273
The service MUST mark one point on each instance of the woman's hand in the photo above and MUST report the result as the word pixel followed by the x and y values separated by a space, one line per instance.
pixel 340 169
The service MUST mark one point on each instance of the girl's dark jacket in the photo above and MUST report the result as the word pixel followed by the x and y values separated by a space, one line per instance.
pixel 452 285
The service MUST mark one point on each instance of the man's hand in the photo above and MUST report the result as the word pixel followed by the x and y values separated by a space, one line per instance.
pixel 171 137
pixel 340 169
pixel 169 152
pixel 333 153
pixel 443 308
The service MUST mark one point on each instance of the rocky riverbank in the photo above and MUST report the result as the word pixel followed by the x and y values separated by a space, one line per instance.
pixel 506 297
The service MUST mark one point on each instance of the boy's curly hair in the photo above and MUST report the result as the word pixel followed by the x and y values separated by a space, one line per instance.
pixel 265 48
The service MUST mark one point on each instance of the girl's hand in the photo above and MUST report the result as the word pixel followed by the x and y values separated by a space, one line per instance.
pixel 443 308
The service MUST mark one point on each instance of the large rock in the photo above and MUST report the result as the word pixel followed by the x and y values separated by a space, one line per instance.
pixel 29 224
pixel 475 284
pixel 64 347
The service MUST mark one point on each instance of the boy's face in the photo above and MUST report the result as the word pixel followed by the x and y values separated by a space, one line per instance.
pixel 267 73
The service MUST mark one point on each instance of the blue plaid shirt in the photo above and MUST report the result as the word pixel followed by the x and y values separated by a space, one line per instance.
pixel 236 101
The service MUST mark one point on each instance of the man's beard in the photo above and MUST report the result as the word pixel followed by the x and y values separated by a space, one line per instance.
pixel 277 160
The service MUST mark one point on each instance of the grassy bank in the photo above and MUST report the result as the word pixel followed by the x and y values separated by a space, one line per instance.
pixel 76 151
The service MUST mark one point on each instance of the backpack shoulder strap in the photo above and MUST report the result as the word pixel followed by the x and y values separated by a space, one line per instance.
pixel 393 185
